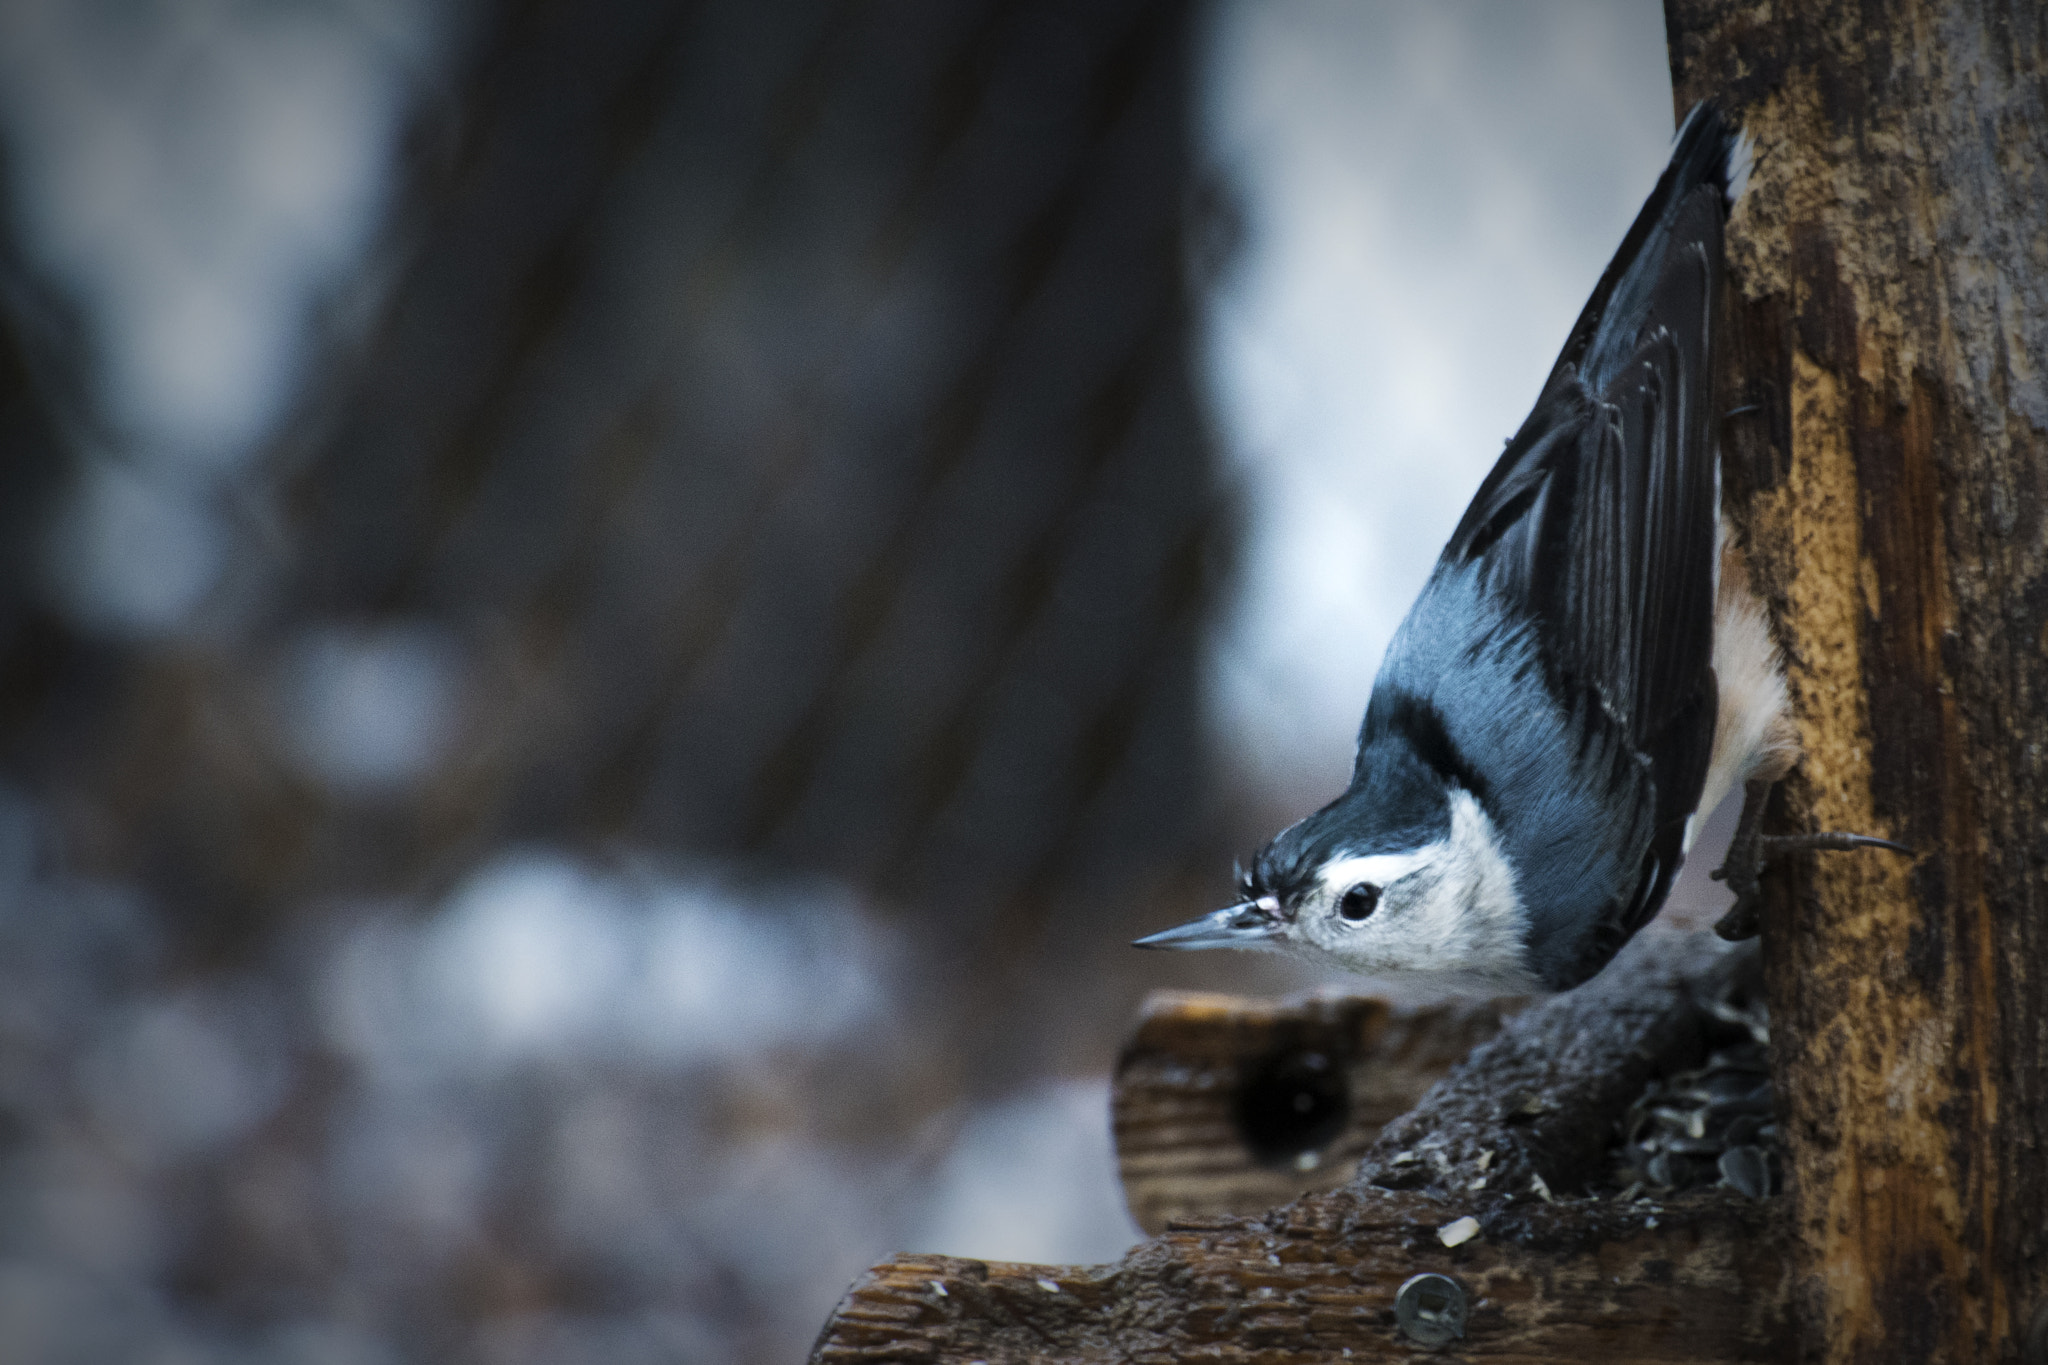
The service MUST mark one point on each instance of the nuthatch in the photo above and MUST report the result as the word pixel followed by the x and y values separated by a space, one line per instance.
pixel 1584 674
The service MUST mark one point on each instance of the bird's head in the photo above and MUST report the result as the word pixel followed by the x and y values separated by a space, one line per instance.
pixel 1432 898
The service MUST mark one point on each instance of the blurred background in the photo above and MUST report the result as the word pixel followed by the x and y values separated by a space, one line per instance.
pixel 612 613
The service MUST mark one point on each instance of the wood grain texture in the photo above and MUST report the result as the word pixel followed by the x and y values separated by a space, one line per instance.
pixel 1891 313
pixel 1316 1281
pixel 1226 1105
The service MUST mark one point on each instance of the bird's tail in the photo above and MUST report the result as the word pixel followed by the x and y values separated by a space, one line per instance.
pixel 1707 152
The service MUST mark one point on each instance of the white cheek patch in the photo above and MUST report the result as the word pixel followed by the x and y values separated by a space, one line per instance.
pixel 1449 910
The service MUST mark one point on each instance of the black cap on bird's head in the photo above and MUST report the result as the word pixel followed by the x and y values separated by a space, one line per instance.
pixel 1396 810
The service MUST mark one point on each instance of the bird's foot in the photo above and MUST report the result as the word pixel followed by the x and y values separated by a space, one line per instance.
pixel 1751 851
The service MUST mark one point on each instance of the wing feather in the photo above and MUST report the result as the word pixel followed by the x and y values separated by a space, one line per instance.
pixel 1598 525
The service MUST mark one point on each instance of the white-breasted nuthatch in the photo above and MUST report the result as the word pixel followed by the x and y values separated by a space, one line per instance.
pixel 1584 674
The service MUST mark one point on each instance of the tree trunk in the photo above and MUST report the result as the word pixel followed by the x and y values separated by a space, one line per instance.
pixel 1891 302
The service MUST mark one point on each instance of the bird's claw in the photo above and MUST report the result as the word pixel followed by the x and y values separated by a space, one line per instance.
pixel 1751 851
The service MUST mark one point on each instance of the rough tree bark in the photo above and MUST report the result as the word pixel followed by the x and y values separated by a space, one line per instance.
pixel 1891 302
pixel 1317 1281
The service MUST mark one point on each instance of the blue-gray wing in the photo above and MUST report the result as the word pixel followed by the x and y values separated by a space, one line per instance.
pixel 1598 525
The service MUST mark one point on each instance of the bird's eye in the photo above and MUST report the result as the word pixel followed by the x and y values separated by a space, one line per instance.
pixel 1360 901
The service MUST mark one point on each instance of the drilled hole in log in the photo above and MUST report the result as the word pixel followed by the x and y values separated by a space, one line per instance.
pixel 1290 1104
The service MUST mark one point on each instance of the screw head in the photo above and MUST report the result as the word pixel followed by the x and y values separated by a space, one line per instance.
pixel 1429 1309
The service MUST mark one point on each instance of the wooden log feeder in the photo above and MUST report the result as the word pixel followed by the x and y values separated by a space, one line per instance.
pixel 1492 1218
pixel 1888 316
pixel 1223 1105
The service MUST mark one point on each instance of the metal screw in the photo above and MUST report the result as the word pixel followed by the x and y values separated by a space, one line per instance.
pixel 2035 1350
pixel 1429 1309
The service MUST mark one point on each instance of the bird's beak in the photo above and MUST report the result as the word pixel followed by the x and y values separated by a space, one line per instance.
pixel 1250 924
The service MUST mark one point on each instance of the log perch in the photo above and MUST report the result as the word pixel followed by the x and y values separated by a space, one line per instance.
pixel 1542 1278
pixel 1699 1281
